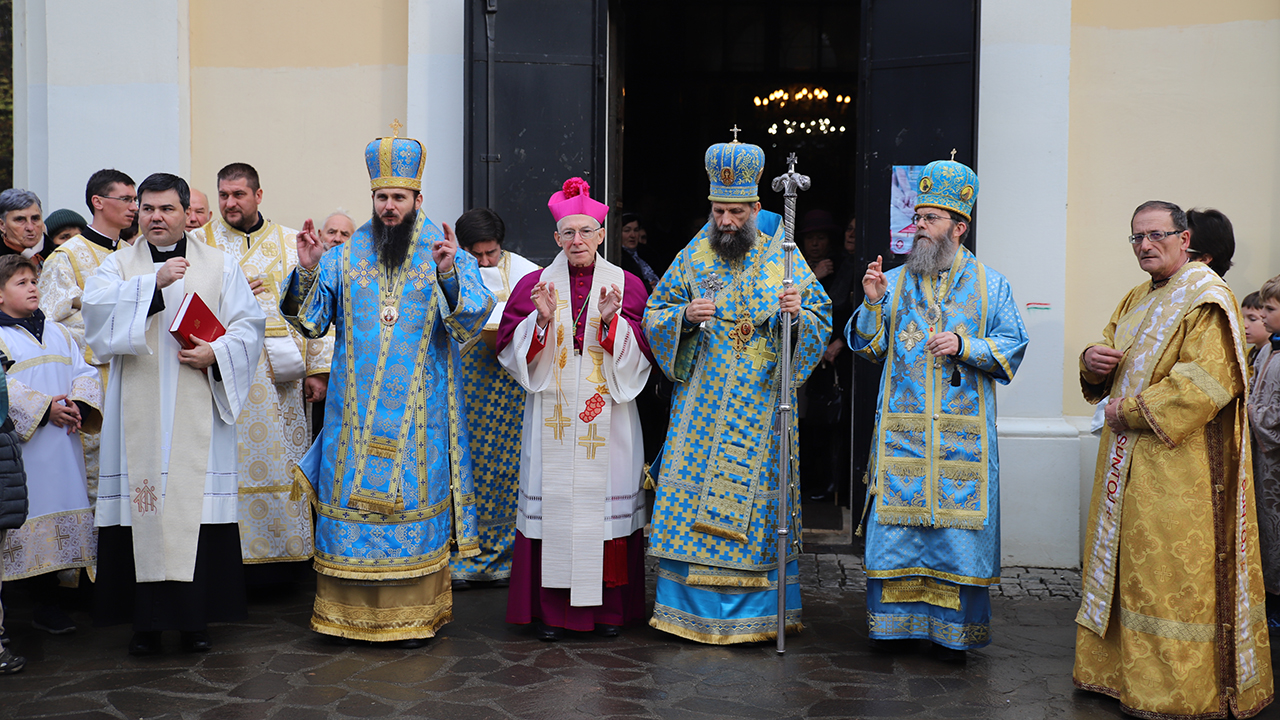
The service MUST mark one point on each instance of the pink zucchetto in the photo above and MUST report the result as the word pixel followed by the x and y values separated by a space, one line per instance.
pixel 575 199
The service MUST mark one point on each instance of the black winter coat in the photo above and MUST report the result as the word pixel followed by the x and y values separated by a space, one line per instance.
pixel 13 480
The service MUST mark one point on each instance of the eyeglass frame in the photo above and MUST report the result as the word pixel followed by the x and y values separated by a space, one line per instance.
pixel 126 200
pixel 570 233
pixel 930 218
pixel 1136 238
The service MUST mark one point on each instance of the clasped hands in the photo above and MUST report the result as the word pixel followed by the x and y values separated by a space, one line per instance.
pixel 704 308
pixel 64 413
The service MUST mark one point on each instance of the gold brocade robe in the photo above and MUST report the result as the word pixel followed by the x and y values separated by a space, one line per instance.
pixel 1170 644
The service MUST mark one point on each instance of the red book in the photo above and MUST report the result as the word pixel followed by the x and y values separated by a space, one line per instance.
pixel 195 319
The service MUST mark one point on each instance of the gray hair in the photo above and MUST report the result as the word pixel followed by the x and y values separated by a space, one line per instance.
pixel 335 214
pixel 1176 214
pixel 17 199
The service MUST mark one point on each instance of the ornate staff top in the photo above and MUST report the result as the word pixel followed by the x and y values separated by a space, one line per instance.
pixel 790 181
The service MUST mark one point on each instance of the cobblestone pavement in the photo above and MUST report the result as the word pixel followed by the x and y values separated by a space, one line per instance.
pixel 272 666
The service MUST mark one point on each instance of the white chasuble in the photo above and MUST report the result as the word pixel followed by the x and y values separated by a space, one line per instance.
pixel 169 452
pixel 582 450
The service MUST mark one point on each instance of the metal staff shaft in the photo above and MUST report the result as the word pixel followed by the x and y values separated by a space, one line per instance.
pixel 788 184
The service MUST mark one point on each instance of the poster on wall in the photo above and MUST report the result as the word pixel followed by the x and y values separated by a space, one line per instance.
pixel 902 205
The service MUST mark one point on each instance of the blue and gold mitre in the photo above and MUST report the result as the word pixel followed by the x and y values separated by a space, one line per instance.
pixel 734 170
pixel 394 162
pixel 949 185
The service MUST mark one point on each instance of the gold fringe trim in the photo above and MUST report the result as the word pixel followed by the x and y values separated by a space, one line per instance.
pixel 374 505
pixel 725 533
pixel 325 627
pixel 727 581
pixel 379 573
pixel 928 572
pixel 889 515
pixel 302 488
pixel 650 482
pixel 664 626
pixel 926 590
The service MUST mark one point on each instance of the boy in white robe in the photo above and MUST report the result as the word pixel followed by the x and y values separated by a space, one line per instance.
pixel 53 393
pixel 169 546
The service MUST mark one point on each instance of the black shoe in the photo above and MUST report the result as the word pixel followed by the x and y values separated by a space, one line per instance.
pixel 502 582
pixel 10 663
pixel 145 643
pixel 546 633
pixel 409 643
pixel 53 620
pixel 893 647
pixel 4 638
pixel 460 584
pixel 197 641
pixel 609 631
pixel 950 655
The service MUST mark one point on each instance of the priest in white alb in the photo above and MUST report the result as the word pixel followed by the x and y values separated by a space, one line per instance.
pixel 571 336
pixel 168 543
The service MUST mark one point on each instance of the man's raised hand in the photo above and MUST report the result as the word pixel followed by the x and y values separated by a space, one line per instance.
pixel 442 251
pixel 874 283
pixel 171 271
pixel 1101 360
pixel 310 249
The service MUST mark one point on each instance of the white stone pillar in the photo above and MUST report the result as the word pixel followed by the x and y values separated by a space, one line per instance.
pixel 98 83
pixel 437 102
pixel 1023 94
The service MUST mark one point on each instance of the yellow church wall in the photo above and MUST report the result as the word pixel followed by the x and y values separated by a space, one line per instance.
pixel 1175 100
pixel 296 88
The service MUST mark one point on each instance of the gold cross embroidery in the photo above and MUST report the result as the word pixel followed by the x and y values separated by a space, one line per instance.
pixel 277 451
pixel 910 335
pixel 704 253
pixel 774 271
pixel 362 273
pixel 396 127
pixel 591 441
pixel 558 422
pixel 758 354
pixel 277 526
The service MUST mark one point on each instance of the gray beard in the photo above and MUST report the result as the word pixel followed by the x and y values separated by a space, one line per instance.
pixel 733 244
pixel 931 256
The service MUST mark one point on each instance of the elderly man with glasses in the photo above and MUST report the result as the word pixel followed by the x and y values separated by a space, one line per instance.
pixel 570 335
pixel 947 329
pixel 1172 620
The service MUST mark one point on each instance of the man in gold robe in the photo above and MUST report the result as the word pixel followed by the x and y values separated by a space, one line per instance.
pixel 1172 621
pixel 111 196
pixel 292 371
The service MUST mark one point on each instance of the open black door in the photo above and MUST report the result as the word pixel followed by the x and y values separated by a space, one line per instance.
pixel 918 100
pixel 536 108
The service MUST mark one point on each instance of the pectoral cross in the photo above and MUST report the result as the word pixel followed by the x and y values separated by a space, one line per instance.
pixel 396 127
pixel 735 131
pixel 558 422
pixel 591 441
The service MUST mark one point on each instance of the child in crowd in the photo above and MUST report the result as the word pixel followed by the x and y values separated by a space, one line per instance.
pixel 13 505
pixel 1255 334
pixel 1264 421
pixel 53 393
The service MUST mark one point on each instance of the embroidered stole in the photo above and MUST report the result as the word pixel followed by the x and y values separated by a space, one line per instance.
pixel 267 259
pixel 575 448
pixel 169 506
pixel 1142 335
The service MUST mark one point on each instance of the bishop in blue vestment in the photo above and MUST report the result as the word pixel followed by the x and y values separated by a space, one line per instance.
pixel 947 329
pixel 390 474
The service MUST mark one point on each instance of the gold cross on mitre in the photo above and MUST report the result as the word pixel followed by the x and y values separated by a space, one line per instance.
pixel 735 131
pixel 953 154
pixel 396 127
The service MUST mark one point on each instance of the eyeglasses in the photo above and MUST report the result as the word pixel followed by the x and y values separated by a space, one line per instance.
pixel 930 218
pixel 584 233
pixel 127 200
pixel 1154 236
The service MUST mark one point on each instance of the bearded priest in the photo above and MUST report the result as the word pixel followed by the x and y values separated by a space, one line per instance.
pixel 168 543
pixel 390 475
pixel 571 336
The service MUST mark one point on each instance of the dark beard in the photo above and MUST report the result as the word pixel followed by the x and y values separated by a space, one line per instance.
pixel 931 256
pixel 392 242
pixel 734 244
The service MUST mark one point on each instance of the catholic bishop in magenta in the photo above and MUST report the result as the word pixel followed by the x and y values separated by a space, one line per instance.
pixel 390 474
pixel 571 336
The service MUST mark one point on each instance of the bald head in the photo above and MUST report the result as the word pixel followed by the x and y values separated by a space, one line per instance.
pixel 338 228
pixel 198 214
